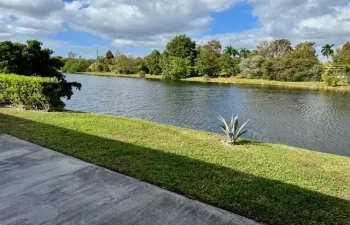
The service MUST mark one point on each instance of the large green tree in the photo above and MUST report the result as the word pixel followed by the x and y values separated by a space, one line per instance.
pixel 207 62
pixel 180 50
pixel 229 66
pixel 251 67
pixel 31 59
pixel 153 62
pixel 177 68
pixel 109 55
pixel 305 50
pixel 342 55
pixel 327 50
pixel 181 46
pixel 274 48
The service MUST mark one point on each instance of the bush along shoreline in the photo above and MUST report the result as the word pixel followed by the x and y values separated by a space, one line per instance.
pixel 29 76
pixel 36 93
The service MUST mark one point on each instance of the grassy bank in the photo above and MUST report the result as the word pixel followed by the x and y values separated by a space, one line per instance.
pixel 271 183
pixel 234 80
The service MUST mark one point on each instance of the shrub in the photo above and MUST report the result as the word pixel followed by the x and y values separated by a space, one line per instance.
pixel 96 67
pixel 292 69
pixel 231 130
pixel 229 65
pixel 331 75
pixel 252 67
pixel 142 73
pixel 76 66
pixel 31 59
pixel 206 77
pixel 31 92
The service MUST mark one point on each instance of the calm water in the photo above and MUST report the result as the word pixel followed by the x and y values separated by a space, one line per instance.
pixel 316 120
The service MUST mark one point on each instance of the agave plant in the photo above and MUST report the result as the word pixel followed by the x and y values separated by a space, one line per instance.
pixel 231 130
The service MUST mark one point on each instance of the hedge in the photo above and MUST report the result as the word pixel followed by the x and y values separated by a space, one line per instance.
pixel 30 92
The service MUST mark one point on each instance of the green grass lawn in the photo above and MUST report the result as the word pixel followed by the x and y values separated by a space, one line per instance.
pixel 271 183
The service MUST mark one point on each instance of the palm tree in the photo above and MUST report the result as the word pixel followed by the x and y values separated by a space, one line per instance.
pixel 231 51
pixel 327 50
pixel 243 53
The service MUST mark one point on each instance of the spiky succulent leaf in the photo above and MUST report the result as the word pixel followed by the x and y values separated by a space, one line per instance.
pixel 238 134
pixel 235 125
pixel 224 124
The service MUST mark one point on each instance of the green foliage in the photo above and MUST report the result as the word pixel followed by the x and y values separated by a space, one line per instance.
pixel 177 68
pixel 347 74
pixel 231 51
pixel 274 49
pixel 28 59
pixel 142 73
pixel 244 53
pixel 305 50
pixel 231 130
pixel 109 55
pixel 267 69
pixel 76 65
pixel 164 60
pixel 129 65
pixel 292 69
pixel 332 74
pixel 153 63
pixel 98 67
pixel 342 55
pixel 327 50
pixel 182 46
pixel 252 67
pixel 58 62
pixel 31 60
pixel 229 65
pixel 207 62
pixel 30 92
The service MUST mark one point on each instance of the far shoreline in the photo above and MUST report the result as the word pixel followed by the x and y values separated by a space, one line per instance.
pixel 310 85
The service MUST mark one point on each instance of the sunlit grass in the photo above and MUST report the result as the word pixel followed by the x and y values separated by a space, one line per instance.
pixel 272 183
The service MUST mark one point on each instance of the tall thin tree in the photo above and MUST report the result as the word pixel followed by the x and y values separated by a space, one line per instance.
pixel 231 51
pixel 327 50
pixel 244 53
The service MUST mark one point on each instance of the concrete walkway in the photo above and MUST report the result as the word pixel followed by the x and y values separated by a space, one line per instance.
pixel 41 186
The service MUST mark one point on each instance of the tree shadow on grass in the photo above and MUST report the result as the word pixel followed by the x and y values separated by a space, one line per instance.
pixel 262 199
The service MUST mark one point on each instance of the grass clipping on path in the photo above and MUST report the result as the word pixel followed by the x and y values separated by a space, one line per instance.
pixel 271 183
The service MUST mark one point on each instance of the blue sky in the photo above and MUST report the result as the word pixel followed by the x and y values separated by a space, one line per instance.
pixel 136 27
pixel 235 19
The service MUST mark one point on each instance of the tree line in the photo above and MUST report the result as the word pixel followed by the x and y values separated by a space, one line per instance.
pixel 182 57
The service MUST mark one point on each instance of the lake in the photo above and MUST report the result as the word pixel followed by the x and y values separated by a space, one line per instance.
pixel 316 120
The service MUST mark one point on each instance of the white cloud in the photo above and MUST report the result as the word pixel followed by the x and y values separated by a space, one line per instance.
pixel 35 8
pixel 152 23
pixel 321 21
pixel 35 17
pixel 126 22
